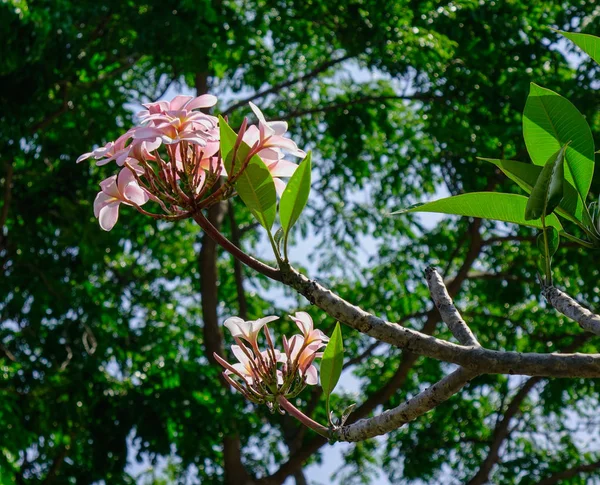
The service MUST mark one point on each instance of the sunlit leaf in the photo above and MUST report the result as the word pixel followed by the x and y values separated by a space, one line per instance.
pixel 549 122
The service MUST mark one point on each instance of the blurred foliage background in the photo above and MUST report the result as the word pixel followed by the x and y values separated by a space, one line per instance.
pixel 105 338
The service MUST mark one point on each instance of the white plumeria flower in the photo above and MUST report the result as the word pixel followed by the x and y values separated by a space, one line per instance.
pixel 306 326
pixel 247 330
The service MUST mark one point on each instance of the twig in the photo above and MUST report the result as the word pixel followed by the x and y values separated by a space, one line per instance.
pixel 447 310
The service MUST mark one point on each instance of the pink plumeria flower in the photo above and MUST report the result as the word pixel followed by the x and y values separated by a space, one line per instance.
pixel 247 330
pixel 270 135
pixel 175 121
pixel 178 103
pixel 302 355
pixel 117 190
pixel 306 326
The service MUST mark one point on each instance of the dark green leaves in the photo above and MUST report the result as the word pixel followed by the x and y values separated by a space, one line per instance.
pixel 331 364
pixel 549 122
pixel 295 196
pixel 548 190
pixel 254 184
pixel 486 205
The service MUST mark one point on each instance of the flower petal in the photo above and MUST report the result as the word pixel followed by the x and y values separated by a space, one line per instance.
pixel 312 377
pixel 237 326
pixel 304 322
pixel 108 215
pixel 178 102
pixel 204 101
pixel 101 200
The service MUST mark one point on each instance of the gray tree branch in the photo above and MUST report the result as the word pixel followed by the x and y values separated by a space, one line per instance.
pixel 572 309
pixel 448 311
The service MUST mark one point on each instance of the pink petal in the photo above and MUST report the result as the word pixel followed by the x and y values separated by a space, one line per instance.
pixel 251 136
pixel 108 215
pixel 278 127
pixel 178 102
pixel 83 157
pixel 204 101
pixel 312 377
pixel 100 201
pixel 149 133
pixel 286 144
pixel 282 168
pixel 240 355
pixel 124 179
pixel 304 322
pixel 279 186
pixel 135 194
pixel 237 326
pixel 109 186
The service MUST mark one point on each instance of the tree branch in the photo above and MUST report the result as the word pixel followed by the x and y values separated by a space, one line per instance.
pixel 447 310
pixel 238 271
pixel 559 477
pixel 410 410
pixel 501 432
pixel 278 87
pixel 477 359
pixel 572 309
pixel 361 100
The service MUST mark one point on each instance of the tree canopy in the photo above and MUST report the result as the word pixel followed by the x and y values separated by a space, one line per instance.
pixel 110 336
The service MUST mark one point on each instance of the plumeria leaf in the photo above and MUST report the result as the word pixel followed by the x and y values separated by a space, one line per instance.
pixel 549 122
pixel 257 189
pixel 553 241
pixel 331 363
pixel 227 138
pixel 526 175
pixel 295 196
pixel 548 190
pixel 590 44
pixel 255 184
pixel 486 205
pixel 278 237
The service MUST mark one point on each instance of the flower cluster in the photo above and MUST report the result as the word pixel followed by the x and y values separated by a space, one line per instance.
pixel 173 158
pixel 264 376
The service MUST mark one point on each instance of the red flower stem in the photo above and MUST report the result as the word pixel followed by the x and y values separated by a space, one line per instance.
pixel 303 418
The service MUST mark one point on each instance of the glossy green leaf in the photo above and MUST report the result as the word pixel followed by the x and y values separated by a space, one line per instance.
pixel 485 205
pixel 255 184
pixel 525 175
pixel 332 362
pixel 227 137
pixel 295 195
pixel 590 44
pixel 549 122
pixel 548 190
pixel 553 241
pixel 256 188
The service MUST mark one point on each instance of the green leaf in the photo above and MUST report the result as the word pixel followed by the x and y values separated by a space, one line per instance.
pixel 553 241
pixel 526 175
pixel 256 188
pixel 295 196
pixel 255 184
pixel 549 122
pixel 548 190
pixel 590 44
pixel 486 205
pixel 331 363
pixel 227 138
